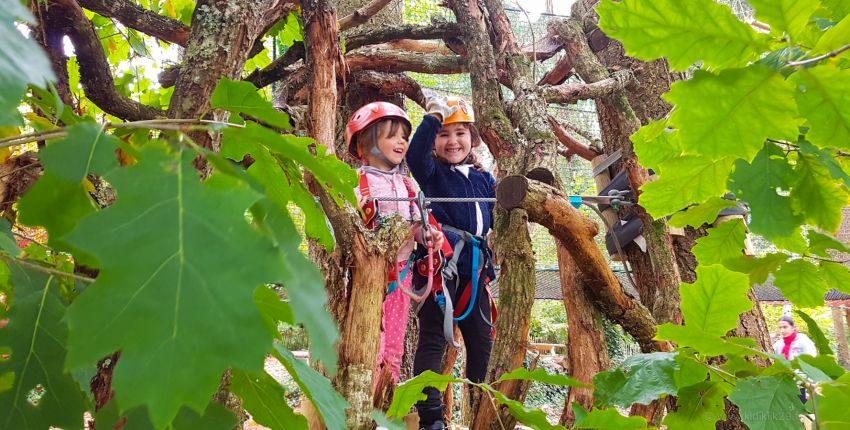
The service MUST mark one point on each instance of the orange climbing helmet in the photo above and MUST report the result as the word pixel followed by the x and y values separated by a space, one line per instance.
pixel 462 114
pixel 367 115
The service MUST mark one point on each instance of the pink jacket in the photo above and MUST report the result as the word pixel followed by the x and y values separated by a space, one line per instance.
pixel 384 183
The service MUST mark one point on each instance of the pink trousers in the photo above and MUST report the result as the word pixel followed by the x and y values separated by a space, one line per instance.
pixel 394 325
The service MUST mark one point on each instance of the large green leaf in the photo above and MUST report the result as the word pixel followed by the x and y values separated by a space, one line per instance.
pixel 383 421
pixel 265 400
pixel 59 199
pixel 768 402
pixel 824 363
pixel 305 287
pixel 816 195
pixel 533 418
pixel 703 213
pixel 789 16
pixel 330 404
pixel 828 159
pixel 715 113
pixel 722 243
pixel 44 394
pixel 713 303
pixel 686 180
pixel 541 375
pixel 22 61
pixel 758 269
pixel 836 275
pixel 834 397
pixel 645 378
pixel 272 308
pixel 834 38
pixel 410 391
pixel 195 265
pixel 698 407
pixel 820 244
pixel 334 175
pixel 823 94
pixel 839 8
pixel 654 145
pixel 684 32
pixel 606 419
pixel 214 417
pixel 242 97
pixel 801 283
pixel 820 340
pixel 757 182
pixel 705 343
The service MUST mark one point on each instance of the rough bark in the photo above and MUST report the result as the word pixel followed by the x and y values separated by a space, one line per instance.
pixel 368 36
pixel 550 208
pixel 95 74
pixel 586 353
pixel 48 34
pixel 17 175
pixel 391 84
pixel 138 18
pixel 396 61
pixel 572 93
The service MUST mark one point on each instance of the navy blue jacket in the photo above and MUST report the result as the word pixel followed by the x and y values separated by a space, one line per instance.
pixel 438 179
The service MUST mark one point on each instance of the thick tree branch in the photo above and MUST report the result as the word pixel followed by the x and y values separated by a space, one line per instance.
pixel 393 61
pixel 361 15
pixel 572 145
pixel 550 208
pixel 95 75
pixel 558 74
pixel 572 93
pixel 48 33
pixel 277 69
pixel 138 18
pixel 391 83
pixel 440 30
pixel 544 48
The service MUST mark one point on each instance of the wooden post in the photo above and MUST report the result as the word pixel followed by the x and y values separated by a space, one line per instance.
pixel 843 353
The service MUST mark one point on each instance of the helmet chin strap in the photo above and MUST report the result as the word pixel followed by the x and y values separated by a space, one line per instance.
pixel 374 151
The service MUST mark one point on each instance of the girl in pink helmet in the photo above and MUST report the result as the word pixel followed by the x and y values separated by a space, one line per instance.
pixel 377 135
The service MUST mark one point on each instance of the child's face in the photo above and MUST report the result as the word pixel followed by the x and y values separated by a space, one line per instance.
pixel 785 329
pixel 392 147
pixel 453 143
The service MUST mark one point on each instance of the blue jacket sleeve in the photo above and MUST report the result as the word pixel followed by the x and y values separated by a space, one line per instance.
pixel 419 158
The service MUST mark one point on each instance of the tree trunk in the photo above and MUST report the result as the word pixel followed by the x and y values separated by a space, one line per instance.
pixel 838 324
pixel 586 350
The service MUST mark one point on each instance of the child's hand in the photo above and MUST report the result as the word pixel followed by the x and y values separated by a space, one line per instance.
pixel 438 106
pixel 435 237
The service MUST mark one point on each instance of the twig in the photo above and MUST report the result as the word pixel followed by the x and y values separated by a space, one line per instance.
pixel 43 269
pixel 13 171
pixel 25 237
pixel 160 124
pixel 819 57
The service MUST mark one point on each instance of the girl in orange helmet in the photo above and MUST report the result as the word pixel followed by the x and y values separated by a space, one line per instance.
pixel 442 162
pixel 377 135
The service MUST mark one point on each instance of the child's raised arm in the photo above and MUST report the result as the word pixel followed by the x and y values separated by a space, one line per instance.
pixel 419 158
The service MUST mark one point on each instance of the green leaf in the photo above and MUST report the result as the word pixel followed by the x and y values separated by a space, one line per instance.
pixel 789 16
pixel 265 400
pixel 533 418
pixel 833 412
pixel 330 404
pixel 646 378
pixel 334 175
pixel 242 97
pixel 305 287
pixel 215 417
pixel 44 394
pixel 824 363
pixel 724 242
pixel 686 180
pixel 758 269
pixel 703 213
pixel 819 243
pixel 7 242
pixel 800 283
pixel 606 419
pixel 690 370
pixel 820 340
pixel 705 343
pixel 272 307
pixel 834 38
pixel 196 262
pixel 768 402
pixel 541 375
pixel 713 303
pixel 289 30
pixel 383 421
pixel 823 92
pixel 838 8
pixel 698 407
pixel 757 183
pixel 828 159
pixel 654 145
pixel 410 391
pixel 7 381
pixel 683 32
pixel 835 275
pixel 22 61
pixel 86 149
pixel 715 113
